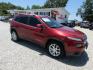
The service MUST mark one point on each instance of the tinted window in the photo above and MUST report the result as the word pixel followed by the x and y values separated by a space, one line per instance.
pixel 36 13
pixel 17 19
pixel 47 13
pixel 41 13
pixel 33 21
pixel 22 19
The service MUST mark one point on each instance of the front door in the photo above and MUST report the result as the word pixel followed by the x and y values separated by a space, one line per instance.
pixel 36 34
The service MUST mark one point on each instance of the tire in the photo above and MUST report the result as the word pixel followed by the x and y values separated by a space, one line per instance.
pixel 90 28
pixel 14 36
pixel 81 27
pixel 55 49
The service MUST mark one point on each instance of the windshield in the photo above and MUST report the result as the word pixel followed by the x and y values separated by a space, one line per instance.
pixel 51 22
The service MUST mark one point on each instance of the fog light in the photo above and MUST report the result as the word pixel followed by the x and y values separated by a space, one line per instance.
pixel 78 45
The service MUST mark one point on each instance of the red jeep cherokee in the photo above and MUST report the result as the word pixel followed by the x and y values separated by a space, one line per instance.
pixel 59 40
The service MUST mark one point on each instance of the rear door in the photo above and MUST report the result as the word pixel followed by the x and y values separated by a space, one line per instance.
pixel 21 26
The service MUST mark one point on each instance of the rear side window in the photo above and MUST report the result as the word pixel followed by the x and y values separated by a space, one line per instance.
pixel 33 21
pixel 22 19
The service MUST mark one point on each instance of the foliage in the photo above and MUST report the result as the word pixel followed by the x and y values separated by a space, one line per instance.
pixel 4 13
pixel 36 7
pixel 7 6
pixel 28 8
pixel 55 3
pixel 86 11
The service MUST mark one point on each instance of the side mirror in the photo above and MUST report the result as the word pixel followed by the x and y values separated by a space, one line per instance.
pixel 40 26
pixel 10 19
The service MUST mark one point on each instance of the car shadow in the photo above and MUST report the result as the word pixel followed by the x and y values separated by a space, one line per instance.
pixel 69 60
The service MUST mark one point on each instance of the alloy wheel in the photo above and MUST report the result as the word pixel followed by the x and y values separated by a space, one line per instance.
pixel 54 50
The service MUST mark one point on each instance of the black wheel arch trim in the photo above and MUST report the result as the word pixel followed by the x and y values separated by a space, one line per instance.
pixel 55 39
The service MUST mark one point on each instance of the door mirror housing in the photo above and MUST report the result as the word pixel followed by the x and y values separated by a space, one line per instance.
pixel 10 19
pixel 40 26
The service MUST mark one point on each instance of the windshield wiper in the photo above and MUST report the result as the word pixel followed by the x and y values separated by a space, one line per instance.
pixel 56 27
pixel 53 27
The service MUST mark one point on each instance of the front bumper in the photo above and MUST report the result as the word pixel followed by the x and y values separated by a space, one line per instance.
pixel 76 51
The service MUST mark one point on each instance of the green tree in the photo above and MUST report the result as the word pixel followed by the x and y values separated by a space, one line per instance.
pixel 4 13
pixel 55 3
pixel 86 11
pixel 19 8
pixel 36 7
pixel 7 6
pixel 28 8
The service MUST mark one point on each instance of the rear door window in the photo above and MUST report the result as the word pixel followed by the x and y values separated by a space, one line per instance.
pixel 22 19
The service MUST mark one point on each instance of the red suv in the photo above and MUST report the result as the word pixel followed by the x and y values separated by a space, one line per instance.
pixel 59 40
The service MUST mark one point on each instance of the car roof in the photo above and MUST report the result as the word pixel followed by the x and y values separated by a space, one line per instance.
pixel 38 16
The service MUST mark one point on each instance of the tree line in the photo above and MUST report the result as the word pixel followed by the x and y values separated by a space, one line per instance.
pixel 7 6
pixel 48 4
pixel 86 11
pixel 51 4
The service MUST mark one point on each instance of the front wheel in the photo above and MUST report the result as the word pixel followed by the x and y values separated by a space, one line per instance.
pixel 90 28
pixel 55 49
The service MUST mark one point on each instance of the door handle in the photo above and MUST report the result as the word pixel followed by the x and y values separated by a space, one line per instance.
pixel 33 28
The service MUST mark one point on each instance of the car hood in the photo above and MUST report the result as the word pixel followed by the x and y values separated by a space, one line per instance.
pixel 70 32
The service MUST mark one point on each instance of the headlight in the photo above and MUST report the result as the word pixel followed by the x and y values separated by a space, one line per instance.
pixel 78 45
pixel 76 39
pixel 85 37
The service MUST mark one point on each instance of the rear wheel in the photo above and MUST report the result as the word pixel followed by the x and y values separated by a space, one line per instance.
pixel 90 28
pixel 14 36
pixel 55 49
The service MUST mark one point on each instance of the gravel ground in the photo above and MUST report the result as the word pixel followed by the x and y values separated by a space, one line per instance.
pixel 28 56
